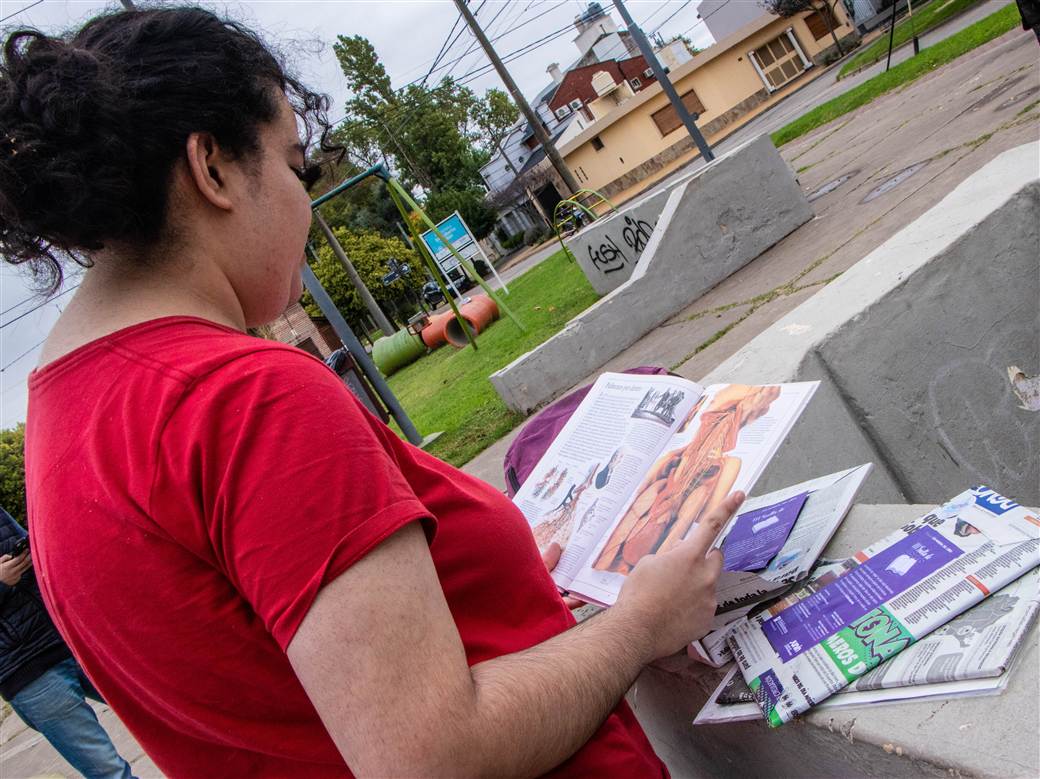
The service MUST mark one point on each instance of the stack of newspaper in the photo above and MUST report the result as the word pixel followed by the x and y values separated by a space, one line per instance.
pixel 895 621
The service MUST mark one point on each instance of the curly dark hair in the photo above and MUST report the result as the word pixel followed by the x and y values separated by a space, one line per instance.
pixel 91 125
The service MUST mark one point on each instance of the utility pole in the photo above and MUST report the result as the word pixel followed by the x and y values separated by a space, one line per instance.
pixel 518 98
pixel 666 85
pixel 366 297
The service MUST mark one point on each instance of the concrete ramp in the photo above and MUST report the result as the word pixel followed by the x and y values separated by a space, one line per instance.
pixel 711 225
pixel 913 346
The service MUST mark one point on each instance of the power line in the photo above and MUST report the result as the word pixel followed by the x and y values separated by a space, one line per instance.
pixel 700 21
pixel 451 62
pixel 31 349
pixel 474 45
pixel 445 46
pixel 20 10
pixel 37 307
pixel 670 17
pixel 502 35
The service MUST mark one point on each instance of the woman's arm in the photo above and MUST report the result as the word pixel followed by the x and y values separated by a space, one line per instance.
pixel 380 657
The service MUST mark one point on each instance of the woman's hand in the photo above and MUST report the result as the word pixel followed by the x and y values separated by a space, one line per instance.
pixel 12 568
pixel 551 556
pixel 671 595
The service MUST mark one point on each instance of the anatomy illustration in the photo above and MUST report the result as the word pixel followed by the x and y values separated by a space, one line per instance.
pixel 556 484
pixel 659 406
pixel 541 485
pixel 557 524
pixel 686 482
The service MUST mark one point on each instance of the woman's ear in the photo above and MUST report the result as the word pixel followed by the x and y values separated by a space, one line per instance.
pixel 207 167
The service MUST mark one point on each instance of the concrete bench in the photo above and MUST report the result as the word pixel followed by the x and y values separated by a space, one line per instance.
pixel 711 224
pixel 981 736
pixel 913 345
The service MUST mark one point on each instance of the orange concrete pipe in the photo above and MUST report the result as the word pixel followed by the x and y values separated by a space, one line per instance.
pixel 479 312
pixel 433 334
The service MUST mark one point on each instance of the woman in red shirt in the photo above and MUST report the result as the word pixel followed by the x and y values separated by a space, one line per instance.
pixel 259 577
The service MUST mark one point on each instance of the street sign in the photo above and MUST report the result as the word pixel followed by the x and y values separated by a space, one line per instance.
pixel 462 239
pixel 390 278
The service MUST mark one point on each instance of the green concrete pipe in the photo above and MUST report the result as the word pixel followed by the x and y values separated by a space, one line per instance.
pixel 393 352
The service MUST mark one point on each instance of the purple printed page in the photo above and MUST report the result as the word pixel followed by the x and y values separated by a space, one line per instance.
pixel 758 535
pixel 891 571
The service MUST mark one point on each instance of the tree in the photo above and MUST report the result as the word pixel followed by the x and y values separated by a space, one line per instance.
pixel 786 8
pixel 687 42
pixel 12 472
pixel 494 116
pixel 370 254
pixel 423 133
pixel 470 203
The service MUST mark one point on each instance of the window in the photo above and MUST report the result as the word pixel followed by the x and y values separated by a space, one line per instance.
pixel 575 104
pixel 648 73
pixel 562 112
pixel 779 61
pixel 668 121
pixel 635 83
pixel 597 144
pixel 817 23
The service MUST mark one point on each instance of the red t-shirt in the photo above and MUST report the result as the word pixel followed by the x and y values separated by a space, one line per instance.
pixel 191 489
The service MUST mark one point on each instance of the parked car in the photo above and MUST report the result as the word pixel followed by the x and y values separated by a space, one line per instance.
pixel 432 295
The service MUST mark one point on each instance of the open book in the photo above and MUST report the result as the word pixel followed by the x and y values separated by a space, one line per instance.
pixel 640 461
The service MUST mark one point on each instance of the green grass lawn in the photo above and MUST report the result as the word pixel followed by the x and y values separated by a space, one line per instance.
pixel 925 18
pixel 984 30
pixel 449 389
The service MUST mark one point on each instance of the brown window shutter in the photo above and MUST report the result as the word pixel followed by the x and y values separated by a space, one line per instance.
pixel 668 121
pixel 817 23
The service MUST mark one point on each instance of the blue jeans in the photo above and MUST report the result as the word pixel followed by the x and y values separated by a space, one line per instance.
pixel 55 704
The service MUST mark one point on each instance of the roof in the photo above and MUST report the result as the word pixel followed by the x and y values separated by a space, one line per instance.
pixel 539 154
pixel 701 58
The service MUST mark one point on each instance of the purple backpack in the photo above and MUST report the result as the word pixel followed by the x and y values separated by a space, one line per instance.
pixel 542 428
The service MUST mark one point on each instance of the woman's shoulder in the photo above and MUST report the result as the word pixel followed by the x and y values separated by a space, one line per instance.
pixel 184 350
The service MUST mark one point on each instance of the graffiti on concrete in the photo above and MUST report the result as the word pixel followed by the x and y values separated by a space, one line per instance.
pixel 608 258
pixel 636 233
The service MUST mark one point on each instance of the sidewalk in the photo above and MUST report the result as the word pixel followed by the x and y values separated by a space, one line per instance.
pixel 868 174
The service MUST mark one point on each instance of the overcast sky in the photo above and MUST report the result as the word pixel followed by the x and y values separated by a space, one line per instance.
pixel 407 37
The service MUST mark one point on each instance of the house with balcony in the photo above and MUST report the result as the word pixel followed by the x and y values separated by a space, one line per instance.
pixel 522 184
pixel 635 137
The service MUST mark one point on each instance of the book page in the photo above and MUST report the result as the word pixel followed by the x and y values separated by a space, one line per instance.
pixel 598 458
pixel 722 445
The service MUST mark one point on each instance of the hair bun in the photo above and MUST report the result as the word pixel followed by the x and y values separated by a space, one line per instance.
pixel 53 101
pixel 93 123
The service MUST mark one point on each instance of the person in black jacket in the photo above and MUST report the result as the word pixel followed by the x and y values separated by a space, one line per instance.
pixel 38 675
pixel 1029 10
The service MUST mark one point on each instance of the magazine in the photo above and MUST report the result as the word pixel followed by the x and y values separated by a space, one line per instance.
pixel 640 461
pixel 789 529
pixel 717 712
pixel 894 593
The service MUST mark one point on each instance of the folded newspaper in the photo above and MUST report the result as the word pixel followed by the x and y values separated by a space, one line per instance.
pixel 904 587
pixel 969 655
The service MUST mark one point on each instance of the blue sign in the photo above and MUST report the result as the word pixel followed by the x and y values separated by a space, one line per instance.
pixel 454 230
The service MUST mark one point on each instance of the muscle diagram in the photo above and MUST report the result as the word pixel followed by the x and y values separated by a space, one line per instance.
pixel 688 482
pixel 557 524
